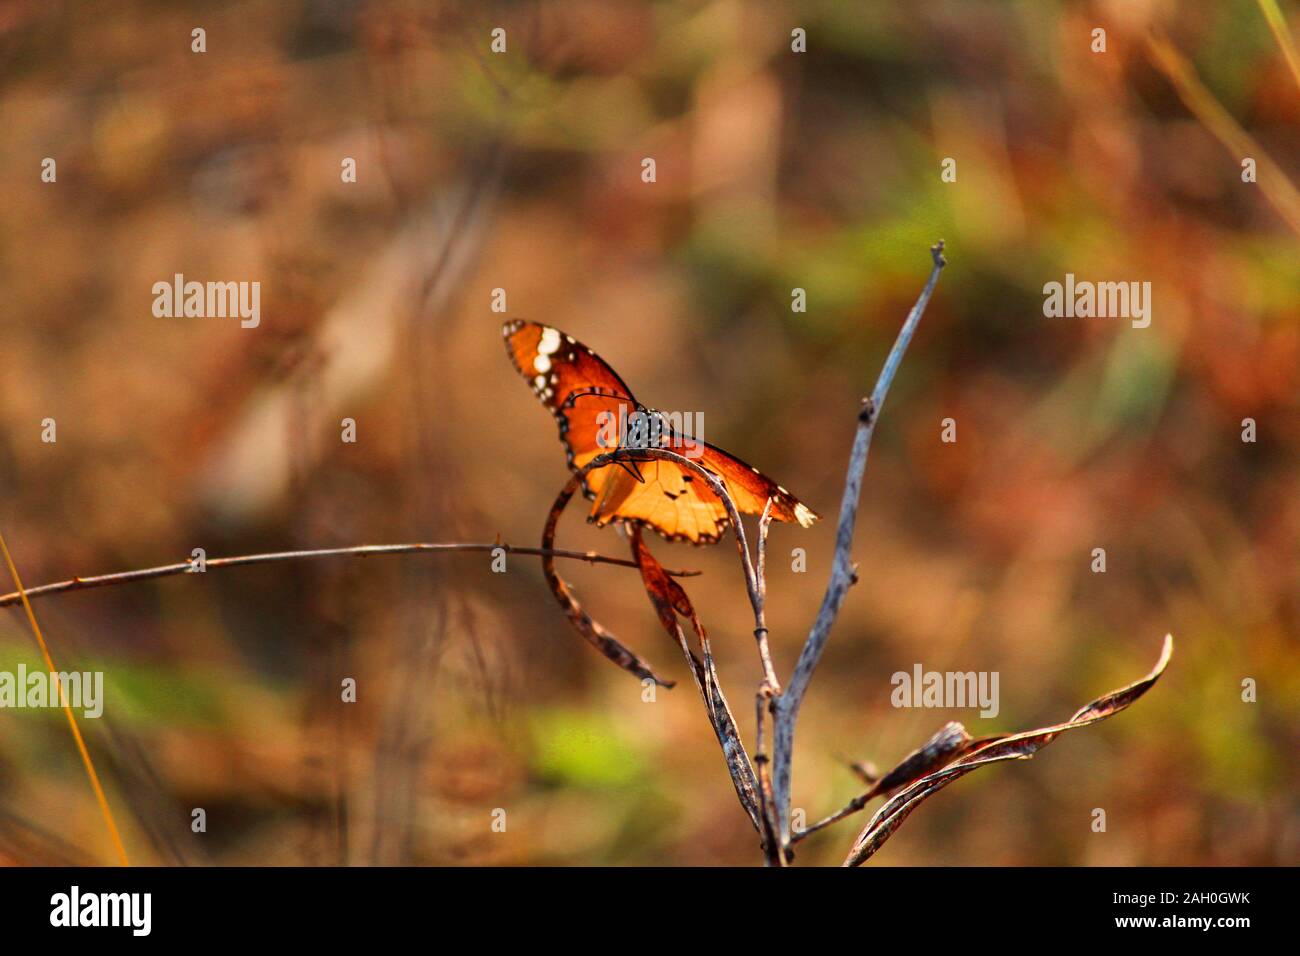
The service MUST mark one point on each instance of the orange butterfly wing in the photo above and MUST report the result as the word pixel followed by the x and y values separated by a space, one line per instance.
pixel 577 386
pixel 682 507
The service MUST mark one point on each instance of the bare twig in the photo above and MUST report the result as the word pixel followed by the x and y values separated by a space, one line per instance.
pixel 361 551
pixel 1282 33
pixel 850 808
pixel 77 738
pixel 786 705
pixel 774 854
pixel 864 770
pixel 1272 177
pixel 772 849
pixel 760 602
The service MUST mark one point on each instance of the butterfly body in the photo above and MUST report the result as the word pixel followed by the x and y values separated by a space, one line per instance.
pixel 585 395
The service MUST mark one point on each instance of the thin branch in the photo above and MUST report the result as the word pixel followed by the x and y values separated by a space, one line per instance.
pixel 1281 33
pixel 188 567
pixel 760 603
pixel 1272 177
pixel 773 854
pixel 852 807
pixel 842 574
pixel 80 741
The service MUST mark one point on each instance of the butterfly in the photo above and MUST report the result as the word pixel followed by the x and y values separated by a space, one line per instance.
pixel 585 395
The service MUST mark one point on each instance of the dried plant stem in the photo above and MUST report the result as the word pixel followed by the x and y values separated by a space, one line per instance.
pixel 760 603
pixel 767 691
pixel 786 704
pixel 89 764
pixel 852 807
pixel 1281 33
pixel 273 557
pixel 772 855
pixel 1272 178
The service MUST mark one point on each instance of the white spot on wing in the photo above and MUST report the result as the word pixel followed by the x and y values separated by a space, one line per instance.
pixel 542 363
pixel 550 342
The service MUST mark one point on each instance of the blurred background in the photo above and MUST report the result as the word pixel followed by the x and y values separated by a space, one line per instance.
pixel 522 171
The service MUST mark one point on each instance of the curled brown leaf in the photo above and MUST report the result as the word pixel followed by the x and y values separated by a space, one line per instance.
pixel 582 622
pixel 1020 746
pixel 948 743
